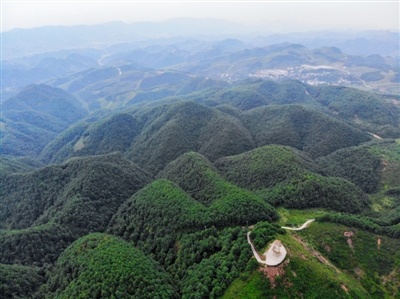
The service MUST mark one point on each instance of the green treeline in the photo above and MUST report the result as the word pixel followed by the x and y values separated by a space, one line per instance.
pixel 362 222
pixel 263 233
pixel 265 167
pixel 317 191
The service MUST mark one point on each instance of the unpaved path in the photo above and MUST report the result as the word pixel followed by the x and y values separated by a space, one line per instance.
pixel 374 135
pixel 257 255
pixel 305 224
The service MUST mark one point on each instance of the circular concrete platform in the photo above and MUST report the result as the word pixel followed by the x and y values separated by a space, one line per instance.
pixel 275 254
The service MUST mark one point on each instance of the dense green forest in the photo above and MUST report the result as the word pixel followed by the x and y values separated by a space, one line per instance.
pixel 18 281
pixel 288 177
pixel 103 266
pixel 34 117
pixel 153 137
pixel 130 181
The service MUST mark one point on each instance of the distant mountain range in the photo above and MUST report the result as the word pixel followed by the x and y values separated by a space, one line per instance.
pixel 85 70
pixel 53 38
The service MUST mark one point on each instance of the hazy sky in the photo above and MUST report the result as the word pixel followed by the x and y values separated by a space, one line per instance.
pixel 273 15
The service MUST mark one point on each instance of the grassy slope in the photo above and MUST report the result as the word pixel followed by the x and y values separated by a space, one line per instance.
pixel 389 154
pixel 365 270
pixel 375 266
pixel 304 277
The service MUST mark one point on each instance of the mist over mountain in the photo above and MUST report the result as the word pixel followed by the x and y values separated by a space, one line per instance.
pixel 53 38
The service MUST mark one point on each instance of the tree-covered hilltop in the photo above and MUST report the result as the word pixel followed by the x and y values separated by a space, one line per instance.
pixel 39 245
pixel 178 232
pixel 375 167
pixel 359 165
pixel 153 137
pixel 104 266
pixel 43 211
pixel 362 109
pixel 81 194
pixel 198 177
pixel 34 117
pixel 265 166
pixel 314 190
pixel 288 177
pixel 303 128
pixel 163 209
pixel 157 218
pixel 253 93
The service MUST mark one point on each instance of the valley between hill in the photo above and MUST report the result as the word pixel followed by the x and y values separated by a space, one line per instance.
pixel 134 171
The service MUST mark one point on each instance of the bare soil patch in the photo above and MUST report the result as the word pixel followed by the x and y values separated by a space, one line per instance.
pixel 273 272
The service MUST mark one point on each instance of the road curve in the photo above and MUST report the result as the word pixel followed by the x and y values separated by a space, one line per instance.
pixel 255 253
pixel 305 224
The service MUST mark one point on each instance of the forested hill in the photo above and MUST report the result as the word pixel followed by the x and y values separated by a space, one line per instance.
pixel 99 259
pixel 94 186
pixel 140 170
pixel 34 117
pixel 154 137
pixel 285 176
pixel 43 211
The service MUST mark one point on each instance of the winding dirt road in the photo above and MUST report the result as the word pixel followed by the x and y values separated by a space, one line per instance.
pixel 305 224
pixel 253 249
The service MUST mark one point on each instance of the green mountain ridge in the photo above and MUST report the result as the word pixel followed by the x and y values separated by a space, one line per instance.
pixel 60 203
pixel 153 137
pixel 285 176
pixel 34 117
pixel 139 169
